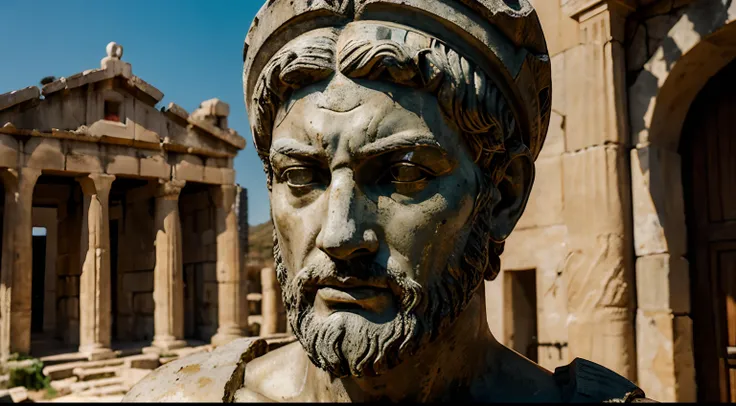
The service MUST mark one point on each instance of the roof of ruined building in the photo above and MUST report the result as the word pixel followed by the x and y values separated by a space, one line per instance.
pixel 113 67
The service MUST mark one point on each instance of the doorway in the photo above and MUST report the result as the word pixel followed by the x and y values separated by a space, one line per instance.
pixel 38 279
pixel 708 150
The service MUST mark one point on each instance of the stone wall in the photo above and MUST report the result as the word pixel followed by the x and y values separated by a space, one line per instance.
pixel 136 260
pixel 68 268
pixel 200 263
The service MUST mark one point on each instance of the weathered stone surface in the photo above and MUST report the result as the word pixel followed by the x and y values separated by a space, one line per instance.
pixel 544 207
pixel 83 157
pixel 44 153
pixel 658 203
pixel 189 168
pixel 10 99
pixel 203 377
pixel 561 31
pixel 665 359
pixel 663 283
pixel 598 270
pixel 8 151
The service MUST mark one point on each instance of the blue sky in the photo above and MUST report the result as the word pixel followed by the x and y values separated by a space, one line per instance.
pixel 191 50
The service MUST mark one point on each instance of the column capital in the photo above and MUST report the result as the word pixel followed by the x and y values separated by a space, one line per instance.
pixel 582 10
pixel 170 189
pixel 96 183
pixel 12 177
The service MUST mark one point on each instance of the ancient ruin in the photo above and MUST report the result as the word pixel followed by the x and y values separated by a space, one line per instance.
pixel 398 140
pixel 141 213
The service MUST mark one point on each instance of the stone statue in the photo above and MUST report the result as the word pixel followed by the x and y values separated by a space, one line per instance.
pixel 398 139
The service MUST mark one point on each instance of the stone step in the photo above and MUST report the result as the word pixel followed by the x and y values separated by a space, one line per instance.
pixel 97 383
pixel 62 359
pixel 66 370
pixel 254 297
pixel 18 394
pixel 87 374
pixel 106 391
pixel 63 386
pixel 142 361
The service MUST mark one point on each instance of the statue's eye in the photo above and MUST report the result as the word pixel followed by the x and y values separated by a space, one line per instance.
pixel 404 172
pixel 299 176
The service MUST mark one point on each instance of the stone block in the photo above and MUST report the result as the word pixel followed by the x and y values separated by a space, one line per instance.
pixel 154 165
pixel 663 283
pixel 121 160
pixel 8 151
pixel 189 168
pixel 210 292
pixel 658 202
pixel 554 144
pixel 561 31
pixel 559 84
pixel 138 282
pixel 665 360
pixel 73 308
pixel 597 194
pixel 545 205
pixel 595 103
pixel 43 153
pixel 213 175
pixel 208 236
pixel 143 303
pixel 228 176
pixel 118 133
pixel 148 122
pixel 209 272
pixel 83 157
pixel 125 303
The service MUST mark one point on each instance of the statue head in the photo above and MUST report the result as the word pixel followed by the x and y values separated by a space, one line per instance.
pixel 398 139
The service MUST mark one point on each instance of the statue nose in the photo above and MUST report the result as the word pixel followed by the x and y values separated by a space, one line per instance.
pixel 345 234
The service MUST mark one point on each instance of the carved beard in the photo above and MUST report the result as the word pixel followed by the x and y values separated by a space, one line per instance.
pixel 345 343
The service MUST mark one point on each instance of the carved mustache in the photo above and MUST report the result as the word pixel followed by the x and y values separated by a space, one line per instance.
pixel 359 273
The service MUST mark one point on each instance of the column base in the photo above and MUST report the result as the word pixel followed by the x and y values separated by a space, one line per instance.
pixel 96 352
pixel 226 336
pixel 164 344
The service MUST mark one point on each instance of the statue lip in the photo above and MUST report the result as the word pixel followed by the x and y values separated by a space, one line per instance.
pixel 351 282
pixel 370 294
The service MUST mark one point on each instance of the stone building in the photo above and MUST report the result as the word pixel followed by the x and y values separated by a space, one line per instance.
pixel 140 210
pixel 626 254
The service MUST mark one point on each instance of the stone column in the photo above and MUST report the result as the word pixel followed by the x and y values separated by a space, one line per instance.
pixel 94 283
pixel 228 266
pixel 599 267
pixel 272 306
pixel 168 276
pixel 16 276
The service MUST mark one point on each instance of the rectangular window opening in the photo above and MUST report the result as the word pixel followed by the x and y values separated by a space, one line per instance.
pixel 112 111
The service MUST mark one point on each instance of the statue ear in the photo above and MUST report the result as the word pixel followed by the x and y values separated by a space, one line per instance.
pixel 511 195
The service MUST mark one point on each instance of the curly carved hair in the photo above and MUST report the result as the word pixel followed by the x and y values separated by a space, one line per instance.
pixel 467 97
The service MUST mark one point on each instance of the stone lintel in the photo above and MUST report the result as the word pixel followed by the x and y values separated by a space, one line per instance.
pixel 10 99
pixel 177 113
pixel 582 10
pixel 228 136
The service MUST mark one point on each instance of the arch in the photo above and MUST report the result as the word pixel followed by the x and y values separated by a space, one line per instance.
pixel 698 46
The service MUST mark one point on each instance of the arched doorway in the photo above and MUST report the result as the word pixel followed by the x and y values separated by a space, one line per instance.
pixel 708 150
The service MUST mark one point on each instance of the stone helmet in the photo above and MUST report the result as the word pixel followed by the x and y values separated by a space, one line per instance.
pixel 503 37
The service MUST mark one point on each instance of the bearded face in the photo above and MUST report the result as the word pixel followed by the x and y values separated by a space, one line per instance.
pixel 373 198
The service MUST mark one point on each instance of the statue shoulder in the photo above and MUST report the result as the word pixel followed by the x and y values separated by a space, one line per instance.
pixel 203 377
pixel 586 381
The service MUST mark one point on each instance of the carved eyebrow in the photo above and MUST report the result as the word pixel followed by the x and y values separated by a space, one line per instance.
pixel 295 149
pixel 400 140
